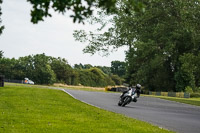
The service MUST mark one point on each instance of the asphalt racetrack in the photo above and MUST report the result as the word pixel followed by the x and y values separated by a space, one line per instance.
pixel 178 117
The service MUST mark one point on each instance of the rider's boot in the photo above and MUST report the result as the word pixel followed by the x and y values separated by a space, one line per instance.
pixel 135 100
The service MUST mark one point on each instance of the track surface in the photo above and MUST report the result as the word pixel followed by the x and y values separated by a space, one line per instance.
pixel 171 115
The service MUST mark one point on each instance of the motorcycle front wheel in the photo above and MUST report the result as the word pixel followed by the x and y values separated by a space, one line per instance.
pixel 126 101
pixel 120 102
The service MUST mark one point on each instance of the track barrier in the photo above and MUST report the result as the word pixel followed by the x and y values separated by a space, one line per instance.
pixel 171 94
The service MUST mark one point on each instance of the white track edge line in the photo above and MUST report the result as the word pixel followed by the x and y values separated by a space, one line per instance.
pixel 101 108
pixel 79 99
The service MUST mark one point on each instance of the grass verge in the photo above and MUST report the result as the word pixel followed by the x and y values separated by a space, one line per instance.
pixel 192 101
pixel 29 109
pixel 59 86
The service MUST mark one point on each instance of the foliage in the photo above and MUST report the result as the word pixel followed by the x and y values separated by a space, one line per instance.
pixel 190 68
pixel 81 66
pixel 106 70
pixel 118 68
pixel 1 27
pixel 163 43
pixel 188 89
pixel 94 77
pixel 116 79
pixel 38 69
pixel 64 72
pixel 195 95
pixel 1 54
pixel 10 68
pixel 80 9
pixel 35 67
pixel 44 69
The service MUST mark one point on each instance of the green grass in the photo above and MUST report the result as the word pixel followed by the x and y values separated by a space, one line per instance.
pixel 192 101
pixel 52 86
pixel 35 110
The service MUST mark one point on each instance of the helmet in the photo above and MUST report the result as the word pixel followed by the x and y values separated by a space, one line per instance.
pixel 138 86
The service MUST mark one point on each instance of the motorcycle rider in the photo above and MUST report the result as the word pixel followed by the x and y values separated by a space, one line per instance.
pixel 136 90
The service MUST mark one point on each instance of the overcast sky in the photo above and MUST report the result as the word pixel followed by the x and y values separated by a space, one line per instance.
pixel 52 36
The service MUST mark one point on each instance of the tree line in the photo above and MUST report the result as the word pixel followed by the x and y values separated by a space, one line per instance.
pixel 44 69
pixel 163 41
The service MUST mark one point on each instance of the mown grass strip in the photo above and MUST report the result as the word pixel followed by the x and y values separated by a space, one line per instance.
pixel 28 109
pixel 192 101
pixel 57 86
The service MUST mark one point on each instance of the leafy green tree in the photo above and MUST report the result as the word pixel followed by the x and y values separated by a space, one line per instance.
pixel 81 9
pixel 116 79
pixel 11 68
pixel 78 66
pixel 87 66
pixel 64 72
pixel 94 77
pixel 37 68
pixel 27 66
pixel 1 54
pixel 43 74
pixel 44 69
pixel 6 67
pixel 1 27
pixel 190 68
pixel 157 39
pixel 105 69
pixel 118 68
pixel 81 66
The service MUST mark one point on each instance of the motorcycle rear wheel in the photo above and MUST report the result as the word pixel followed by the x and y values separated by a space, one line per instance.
pixel 120 103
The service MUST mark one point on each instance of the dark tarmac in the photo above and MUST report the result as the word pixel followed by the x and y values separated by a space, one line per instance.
pixel 178 117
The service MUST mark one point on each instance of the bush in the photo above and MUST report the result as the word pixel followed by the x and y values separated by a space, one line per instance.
pixel 188 89
pixel 196 95
pixel 94 77
pixel 197 89
pixel 116 79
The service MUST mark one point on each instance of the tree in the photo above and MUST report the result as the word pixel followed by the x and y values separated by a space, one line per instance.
pixel 1 54
pixel 6 67
pixel 78 66
pixel 116 79
pixel 1 27
pixel 64 72
pixel 94 77
pixel 190 71
pixel 43 74
pixel 118 68
pixel 37 67
pixel 105 69
pixel 44 69
pixel 158 39
pixel 164 33
pixel 81 9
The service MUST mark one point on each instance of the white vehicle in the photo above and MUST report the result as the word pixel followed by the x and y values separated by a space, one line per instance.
pixel 28 81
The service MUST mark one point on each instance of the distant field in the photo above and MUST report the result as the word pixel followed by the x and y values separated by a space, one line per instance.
pixel 31 109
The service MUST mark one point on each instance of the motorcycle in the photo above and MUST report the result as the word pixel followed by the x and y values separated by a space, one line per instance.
pixel 127 97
